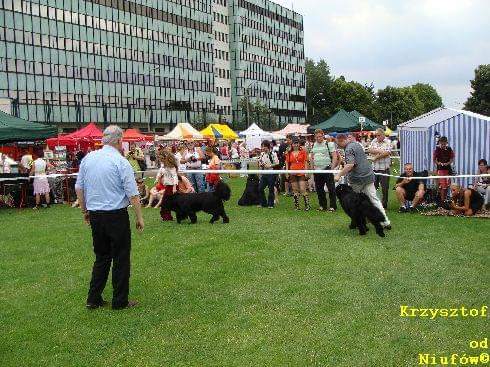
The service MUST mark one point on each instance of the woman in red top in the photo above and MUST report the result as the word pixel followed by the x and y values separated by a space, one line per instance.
pixel 297 159
pixel 213 164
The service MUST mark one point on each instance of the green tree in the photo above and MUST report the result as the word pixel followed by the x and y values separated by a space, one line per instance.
pixel 479 101
pixel 428 95
pixel 318 90
pixel 397 105
pixel 260 114
pixel 352 96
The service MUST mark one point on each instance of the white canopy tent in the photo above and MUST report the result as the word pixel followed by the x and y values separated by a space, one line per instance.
pixel 254 136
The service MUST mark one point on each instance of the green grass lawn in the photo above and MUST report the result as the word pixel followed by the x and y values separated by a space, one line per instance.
pixel 272 288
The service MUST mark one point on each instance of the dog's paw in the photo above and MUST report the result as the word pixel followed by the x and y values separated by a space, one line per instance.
pixel 381 234
pixel 352 226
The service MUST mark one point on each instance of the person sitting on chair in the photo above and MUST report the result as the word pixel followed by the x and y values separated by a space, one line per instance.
pixel 409 189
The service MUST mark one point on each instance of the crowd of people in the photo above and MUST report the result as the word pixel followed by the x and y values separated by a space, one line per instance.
pixel 368 163
pixel 319 152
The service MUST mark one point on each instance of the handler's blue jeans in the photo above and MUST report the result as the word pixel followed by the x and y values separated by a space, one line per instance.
pixel 267 181
pixel 197 181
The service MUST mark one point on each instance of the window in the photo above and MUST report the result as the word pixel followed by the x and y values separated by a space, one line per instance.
pixel 51 13
pixel 67 16
pixel 9 35
pixel 35 9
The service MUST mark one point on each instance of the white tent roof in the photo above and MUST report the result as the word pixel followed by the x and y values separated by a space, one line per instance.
pixel 436 116
pixel 183 131
pixel 295 129
pixel 254 130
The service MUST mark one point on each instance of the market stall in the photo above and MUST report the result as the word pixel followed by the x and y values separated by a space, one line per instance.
pixel 294 129
pixel 219 131
pixel 254 136
pixel 183 131
pixel 14 129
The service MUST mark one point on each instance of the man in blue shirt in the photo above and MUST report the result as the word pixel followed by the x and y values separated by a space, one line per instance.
pixel 105 187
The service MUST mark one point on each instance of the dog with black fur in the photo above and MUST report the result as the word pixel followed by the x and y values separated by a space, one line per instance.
pixel 187 205
pixel 358 207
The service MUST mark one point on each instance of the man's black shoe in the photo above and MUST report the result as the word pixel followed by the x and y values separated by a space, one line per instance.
pixel 93 306
pixel 412 210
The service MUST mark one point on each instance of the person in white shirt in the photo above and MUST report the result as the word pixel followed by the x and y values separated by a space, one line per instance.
pixel 193 160
pixel 234 151
pixel 180 157
pixel 380 150
pixel 25 162
pixel 4 163
pixel 268 161
pixel 244 154
pixel 41 184
pixel 169 179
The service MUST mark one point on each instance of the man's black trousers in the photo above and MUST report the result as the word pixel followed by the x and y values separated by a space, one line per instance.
pixel 320 180
pixel 111 234
pixel 385 182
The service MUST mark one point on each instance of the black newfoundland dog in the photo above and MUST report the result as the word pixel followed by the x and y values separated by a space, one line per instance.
pixel 358 207
pixel 187 205
pixel 251 195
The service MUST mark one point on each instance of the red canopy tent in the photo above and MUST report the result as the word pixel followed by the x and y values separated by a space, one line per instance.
pixel 135 135
pixel 85 137
pixel 89 132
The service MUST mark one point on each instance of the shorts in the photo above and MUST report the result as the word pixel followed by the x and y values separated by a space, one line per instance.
pixel 410 195
pixel 443 182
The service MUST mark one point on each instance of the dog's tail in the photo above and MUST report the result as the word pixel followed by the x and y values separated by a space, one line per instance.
pixel 223 191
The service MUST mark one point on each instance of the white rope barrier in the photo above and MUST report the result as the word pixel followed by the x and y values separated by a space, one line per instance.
pixel 249 172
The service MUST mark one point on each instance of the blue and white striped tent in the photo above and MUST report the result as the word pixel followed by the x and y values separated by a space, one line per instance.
pixel 468 134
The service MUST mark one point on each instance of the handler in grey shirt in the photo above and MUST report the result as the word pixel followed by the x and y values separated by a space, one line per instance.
pixel 360 174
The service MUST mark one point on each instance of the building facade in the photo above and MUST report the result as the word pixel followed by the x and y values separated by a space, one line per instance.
pixel 149 63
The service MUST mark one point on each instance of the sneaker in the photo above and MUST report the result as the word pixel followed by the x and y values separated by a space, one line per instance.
pixel 270 207
pixel 37 207
pixel 402 209
pixel 307 208
pixel 320 209
pixel 332 210
pixel 412 210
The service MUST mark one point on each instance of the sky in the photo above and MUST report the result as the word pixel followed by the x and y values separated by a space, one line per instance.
pixel 399 42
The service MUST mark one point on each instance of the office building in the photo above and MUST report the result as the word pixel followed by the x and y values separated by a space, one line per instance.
pixel 149 63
